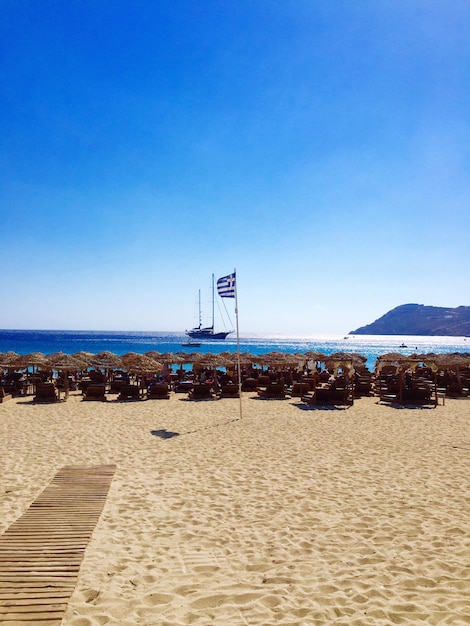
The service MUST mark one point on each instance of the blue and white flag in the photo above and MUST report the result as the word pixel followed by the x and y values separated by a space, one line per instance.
pixel 226 286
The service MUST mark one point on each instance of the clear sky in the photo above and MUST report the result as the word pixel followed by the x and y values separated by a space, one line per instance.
pixel 320 147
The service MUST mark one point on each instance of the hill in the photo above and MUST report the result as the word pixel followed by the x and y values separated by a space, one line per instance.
pixel 418 319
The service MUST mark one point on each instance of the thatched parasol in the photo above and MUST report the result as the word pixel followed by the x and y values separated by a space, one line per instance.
pixel 211 360
pixel 34 359
pixel 62 362
pixel 66 362
pixel 340 361
pixel 10 360
pixel 106 361
pixel 358 360
pixel 453 360
pixel 186 357
pixel 246 358
pixel 276 359
pixel 86 357
pixel 141 363
pixel 171 358
pixel 317 357
pixel 390 359
pixel 153 354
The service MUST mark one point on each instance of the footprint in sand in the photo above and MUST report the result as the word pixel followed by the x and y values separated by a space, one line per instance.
pixel 90 594
pixel 154 599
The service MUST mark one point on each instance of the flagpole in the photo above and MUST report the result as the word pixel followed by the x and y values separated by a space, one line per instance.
pixel 238 345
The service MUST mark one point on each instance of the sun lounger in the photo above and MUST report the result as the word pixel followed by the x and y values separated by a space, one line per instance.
pixel 158 391
pixel 4 396
pixel 46 392
pixel 201 392
pixel 274 391
pixel 115 386
pixel 95 392
pixel 342 395
pixel 250 384
pixel 299 389
pixel 329 395
pixel 183 386
pixel 319 395
pixel 229 391
pixel 129 392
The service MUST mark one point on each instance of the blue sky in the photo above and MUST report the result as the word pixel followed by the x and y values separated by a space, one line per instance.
pixel 320 147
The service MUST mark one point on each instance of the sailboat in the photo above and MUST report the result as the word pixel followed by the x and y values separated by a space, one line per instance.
pixel 207 332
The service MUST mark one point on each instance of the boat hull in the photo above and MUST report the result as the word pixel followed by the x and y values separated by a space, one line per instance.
pixel 201 334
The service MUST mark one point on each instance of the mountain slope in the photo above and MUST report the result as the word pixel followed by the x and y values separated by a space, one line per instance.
pixel 418 319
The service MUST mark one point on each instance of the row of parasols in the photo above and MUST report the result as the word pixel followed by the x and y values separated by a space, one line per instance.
pixel 154 362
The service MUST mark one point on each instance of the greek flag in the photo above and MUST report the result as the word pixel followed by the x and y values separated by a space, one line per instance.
pixel 226 286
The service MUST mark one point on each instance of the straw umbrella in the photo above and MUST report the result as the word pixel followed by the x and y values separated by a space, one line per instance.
pixel 84 356
pixel 65 363
pixel 34 359
pixel 172 358
pixel 454 362
pixel 210 361
pixel 153 354
pixel 9 360
pixel 140 364
pixel 359 361
pixel 106 360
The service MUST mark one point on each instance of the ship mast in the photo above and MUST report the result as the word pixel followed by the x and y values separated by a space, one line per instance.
pixel 212 301
pixel 200 322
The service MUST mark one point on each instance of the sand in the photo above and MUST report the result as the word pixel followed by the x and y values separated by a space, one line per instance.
pixel 291 515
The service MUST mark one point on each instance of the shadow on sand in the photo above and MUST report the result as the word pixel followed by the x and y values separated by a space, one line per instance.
pixel 164 434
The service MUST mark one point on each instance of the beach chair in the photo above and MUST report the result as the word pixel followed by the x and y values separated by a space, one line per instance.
pixel 342 395
pixel 201 392
pixel 274 391
pixel 115 386
pixel 319 395
pixel 250 384
pixel 158 391
pixel 46 392
pixel 299 389
pixel 229 391
pixel 95 392
pixel 363 385
pixel 129 392
pixel 183 386
pixel 4 396
pixel 420 395
pixel 308 397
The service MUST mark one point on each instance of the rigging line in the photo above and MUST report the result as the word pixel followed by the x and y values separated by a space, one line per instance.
pixel 226 313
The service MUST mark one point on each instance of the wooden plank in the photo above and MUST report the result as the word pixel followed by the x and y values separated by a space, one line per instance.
pixel 41 553
pixel 39 596
pixel 33 618
pixel 23 607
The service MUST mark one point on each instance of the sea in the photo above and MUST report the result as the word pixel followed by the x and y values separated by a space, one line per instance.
pixel 121 342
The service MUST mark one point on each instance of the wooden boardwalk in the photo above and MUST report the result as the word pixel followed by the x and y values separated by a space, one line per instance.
pixel 41 553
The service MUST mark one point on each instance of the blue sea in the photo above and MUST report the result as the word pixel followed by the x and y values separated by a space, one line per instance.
pixel 371 346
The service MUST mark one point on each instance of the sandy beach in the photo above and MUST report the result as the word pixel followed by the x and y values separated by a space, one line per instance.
pixel 290 515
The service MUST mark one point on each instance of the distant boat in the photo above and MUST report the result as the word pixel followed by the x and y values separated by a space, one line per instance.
pixel 192 344
pixel 403 346
pixel 208 331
